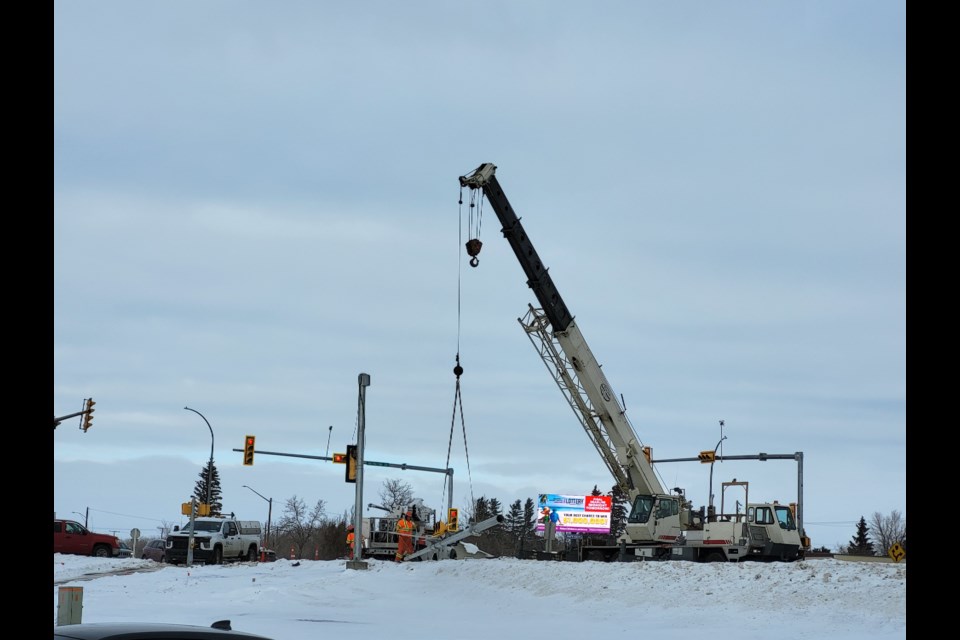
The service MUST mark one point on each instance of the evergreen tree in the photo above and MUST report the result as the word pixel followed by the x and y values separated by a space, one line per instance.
pixel 619 510
pixel 494 507
pixel 480 510
pixel 200 488
pixel 529 527
pixel 515 526
pixel 861 545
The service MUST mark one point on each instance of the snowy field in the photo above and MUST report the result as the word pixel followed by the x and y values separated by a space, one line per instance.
pixel 503 598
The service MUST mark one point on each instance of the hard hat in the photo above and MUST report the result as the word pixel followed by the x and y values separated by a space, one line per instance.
pixel 409 513
pixel 349 527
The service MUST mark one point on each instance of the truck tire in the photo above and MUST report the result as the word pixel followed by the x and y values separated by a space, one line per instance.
pixel 715 556
pixel 102 551
pixel 217 555
pixel 252 554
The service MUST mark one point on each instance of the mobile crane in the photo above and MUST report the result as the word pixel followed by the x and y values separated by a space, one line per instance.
pixel 660 524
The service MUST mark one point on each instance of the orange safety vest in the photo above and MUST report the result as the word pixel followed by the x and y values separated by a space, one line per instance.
pixel 350 539
pixel 405 526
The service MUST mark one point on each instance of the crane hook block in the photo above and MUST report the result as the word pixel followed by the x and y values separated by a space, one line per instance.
pixel 473 250
pixel 458 371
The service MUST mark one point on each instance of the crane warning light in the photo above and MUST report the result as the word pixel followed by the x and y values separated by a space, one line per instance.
pixel 350 472
pixel 88 415
pixel 707 457
pixel 248 450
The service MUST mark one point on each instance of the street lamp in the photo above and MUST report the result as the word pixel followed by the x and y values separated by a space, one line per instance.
pixel 86 518
pixel 210 467
pixel 269 512
pixel 711 509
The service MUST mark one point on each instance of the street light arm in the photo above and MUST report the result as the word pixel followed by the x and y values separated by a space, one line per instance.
pixel 209 468
pixel 257 492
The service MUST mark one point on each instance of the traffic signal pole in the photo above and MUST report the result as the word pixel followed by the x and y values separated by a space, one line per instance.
pixel 357 562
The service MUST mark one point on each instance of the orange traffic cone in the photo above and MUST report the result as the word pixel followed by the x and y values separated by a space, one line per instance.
pixel 292 555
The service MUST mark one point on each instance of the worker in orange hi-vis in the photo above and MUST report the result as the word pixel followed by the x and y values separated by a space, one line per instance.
pixel 350 539
pixel 405 528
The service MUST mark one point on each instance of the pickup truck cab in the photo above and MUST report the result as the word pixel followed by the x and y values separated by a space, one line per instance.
pixel 74 538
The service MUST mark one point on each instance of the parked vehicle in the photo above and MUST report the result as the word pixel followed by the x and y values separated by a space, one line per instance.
pixel 74 538
pixel 215 540
pixel 124 551
pixel 220 630
pixel 155 550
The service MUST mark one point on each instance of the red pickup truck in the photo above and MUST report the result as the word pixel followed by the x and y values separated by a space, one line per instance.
pixel 74 538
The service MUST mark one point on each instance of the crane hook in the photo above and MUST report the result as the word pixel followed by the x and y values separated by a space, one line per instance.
pixel 473 250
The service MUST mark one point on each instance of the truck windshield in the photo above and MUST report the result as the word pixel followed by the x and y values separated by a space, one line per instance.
pixel 642 507
pixel 785 518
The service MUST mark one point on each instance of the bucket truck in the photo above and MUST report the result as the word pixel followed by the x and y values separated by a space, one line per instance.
pixel 660 522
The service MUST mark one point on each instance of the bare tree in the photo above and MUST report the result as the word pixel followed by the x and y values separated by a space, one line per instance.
pixel 395 493
pixel 887 530
pixel 299 526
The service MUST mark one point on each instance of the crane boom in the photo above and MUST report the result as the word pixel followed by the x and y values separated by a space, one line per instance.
pixel 554 332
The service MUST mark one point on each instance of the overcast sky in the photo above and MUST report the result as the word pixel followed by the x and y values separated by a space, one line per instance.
pixel 253 204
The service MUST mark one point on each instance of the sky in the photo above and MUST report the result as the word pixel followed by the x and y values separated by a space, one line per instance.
pixel 253 205
pixel 289 600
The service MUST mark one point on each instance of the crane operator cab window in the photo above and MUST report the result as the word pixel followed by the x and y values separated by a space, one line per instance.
pixel 642 508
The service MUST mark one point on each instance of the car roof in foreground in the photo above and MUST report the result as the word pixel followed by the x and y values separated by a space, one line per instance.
pixel 146 630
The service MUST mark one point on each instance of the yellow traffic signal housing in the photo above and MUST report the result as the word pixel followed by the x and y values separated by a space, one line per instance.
pixel 248 449
pixel 350 473
pixel 88 415
pixel 453 519
pixel 185 508
pixel 340 458
pixel 648 453
pixel 203 510
pixel 707 456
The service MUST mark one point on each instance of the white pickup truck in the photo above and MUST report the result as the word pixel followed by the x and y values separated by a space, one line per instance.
pixel 215 540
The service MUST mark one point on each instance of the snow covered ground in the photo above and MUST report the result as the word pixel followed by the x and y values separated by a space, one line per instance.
pixel 503 598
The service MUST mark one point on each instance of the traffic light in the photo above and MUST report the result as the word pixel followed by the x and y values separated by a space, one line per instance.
pixel 340 458
pixel 707 456
pixel 350 473
pixel 453 519
pixel 248 451
pixel 648 453
pixel 88 415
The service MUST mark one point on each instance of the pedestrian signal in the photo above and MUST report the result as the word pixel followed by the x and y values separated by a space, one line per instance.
pixel 248 450
pixel 707 456
pixel 453 519
pixel 88 415
pixel 340 458
pixel 350 473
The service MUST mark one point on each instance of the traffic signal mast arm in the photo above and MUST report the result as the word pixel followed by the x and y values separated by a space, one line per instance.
pixel 87 413
pixel 564 350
